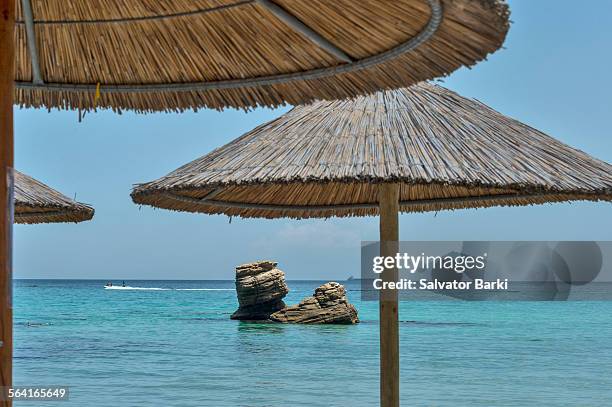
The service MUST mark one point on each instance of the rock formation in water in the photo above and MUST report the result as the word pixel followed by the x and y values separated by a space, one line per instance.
pixel 260 288
pixel 328 305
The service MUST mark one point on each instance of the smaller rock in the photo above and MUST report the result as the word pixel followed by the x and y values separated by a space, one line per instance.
pixel 328 305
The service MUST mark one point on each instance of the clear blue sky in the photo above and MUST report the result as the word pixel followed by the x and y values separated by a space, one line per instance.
pixel 553 75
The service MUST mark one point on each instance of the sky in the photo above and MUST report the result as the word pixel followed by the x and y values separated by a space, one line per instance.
pixel 553 74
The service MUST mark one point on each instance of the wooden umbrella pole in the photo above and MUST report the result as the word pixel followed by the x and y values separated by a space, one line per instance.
pixel 388 199
pixel 7 66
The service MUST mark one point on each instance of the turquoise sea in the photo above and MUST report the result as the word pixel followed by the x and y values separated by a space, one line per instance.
pixel 179 348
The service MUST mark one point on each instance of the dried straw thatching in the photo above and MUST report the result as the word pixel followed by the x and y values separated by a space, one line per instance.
pixel 37 203
pixel 150 55
pixel 325 159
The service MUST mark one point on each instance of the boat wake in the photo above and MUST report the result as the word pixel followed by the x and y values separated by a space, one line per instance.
pixel 127 287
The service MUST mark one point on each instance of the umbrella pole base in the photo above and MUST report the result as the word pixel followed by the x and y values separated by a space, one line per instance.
pixel 388 197
pixel 7 78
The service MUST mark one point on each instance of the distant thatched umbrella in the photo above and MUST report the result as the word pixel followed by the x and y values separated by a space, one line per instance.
pixel 146 55
pixel 35 202
pixel 419 149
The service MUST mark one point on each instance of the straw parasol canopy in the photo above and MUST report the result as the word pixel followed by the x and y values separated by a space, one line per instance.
pixel 326 159
pixel 35 202
pixel 147 55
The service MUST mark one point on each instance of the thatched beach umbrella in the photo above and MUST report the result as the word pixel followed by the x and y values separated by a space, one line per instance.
pixel 424 148
pixel 170 55
pixel 36 202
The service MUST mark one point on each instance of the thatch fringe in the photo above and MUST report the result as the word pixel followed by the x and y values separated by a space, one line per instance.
pixel 179 55
pixel 448 152
pixel 35 202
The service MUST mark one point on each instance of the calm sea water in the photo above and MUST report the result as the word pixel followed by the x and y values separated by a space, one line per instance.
pixel 179 348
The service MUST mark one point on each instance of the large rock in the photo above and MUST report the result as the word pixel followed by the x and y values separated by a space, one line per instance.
pixel 260 288
pixel 328 305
